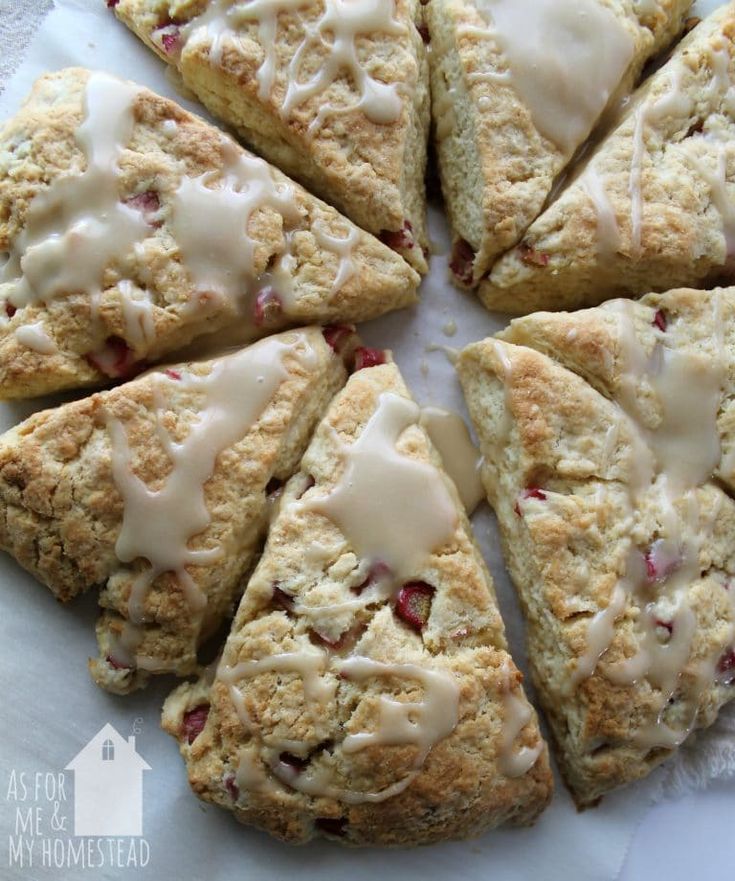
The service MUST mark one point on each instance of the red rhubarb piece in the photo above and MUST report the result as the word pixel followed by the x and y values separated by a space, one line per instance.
pixel 10 309
pixel 365 357
pixel 659 319
pixel 726 664
pixel 462 261
pixel 531 257
pixel 231 786
pixel 531 492
pixel 413 604
pixel 193 722
pixel 115 359
pixel 337 335
pixel 398 239
pixel 172 374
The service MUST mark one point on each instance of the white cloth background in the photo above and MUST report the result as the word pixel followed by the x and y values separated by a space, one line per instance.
pixel 52 708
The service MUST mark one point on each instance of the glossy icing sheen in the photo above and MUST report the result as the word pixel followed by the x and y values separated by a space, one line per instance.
pixel 565 59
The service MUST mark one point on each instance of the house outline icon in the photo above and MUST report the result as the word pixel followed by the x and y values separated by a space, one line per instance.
pixel 108 786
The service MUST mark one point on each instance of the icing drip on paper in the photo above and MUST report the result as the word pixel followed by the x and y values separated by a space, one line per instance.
pixel 333 37
pixel 158 523
pixel 460 456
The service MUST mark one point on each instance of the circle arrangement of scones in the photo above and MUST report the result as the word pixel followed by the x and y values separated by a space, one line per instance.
pixel 365 692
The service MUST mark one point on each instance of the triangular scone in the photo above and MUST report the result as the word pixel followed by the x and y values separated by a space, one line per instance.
pixel 610 461
pixel 132 227
pixel 366 691
pixel 158 490
pixel 655 206
pixel 517 87
pixel 333 92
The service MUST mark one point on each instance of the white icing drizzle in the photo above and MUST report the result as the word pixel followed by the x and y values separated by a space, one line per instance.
pixel 376 478
pixel 158 523
pixel 717 182
pixel 424 722
pixel 608 232
pixel 683 452
pixel 137 310
pixel 332 37
pixel 343 247
pixel 34 336
pixel 566 59
pixel 460 456
pixel 211 221
pixel 517 713
pixel 78 225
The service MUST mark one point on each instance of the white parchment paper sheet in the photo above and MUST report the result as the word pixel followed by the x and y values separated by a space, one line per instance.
pixel 51 708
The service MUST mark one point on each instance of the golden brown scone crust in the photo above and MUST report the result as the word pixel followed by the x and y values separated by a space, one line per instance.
pixel 38 146
pixel 545 417
pixel 569 257
pixel 373 173
pixel 497 169
pixel 62 510
pixel 460 790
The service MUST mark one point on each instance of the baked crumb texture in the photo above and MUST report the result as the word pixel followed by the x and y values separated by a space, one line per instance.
pixel 654 207
pixel 334 92
pixel 131 227
pixel 159 491
pixel 517 87
pixel 365 692
pixel 609 444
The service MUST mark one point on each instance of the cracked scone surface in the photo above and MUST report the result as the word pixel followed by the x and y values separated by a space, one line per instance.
pixel 133 227
pixel 334 93
pixel 366 696
pixel 499 145
pixel 608 444
pixel 652 208
pixel 102 491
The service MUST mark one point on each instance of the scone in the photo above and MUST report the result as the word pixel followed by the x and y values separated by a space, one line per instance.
pixel 160 489
pixel 654 208
pixel 333 92
pixel 517 87
pixel 609 444
pixel 365 692
pixel 131 227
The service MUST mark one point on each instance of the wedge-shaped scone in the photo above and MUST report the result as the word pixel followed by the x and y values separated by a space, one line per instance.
pixel 517 87
pixel 610 460
pixel 333 92
pixel 366 691
pixel 655 206
pixel 158 490
pixel 132 227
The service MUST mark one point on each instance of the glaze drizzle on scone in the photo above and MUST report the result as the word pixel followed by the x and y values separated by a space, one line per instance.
pixel 333 92
pixel 607 436
pixel 367 665
pixel 147 229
